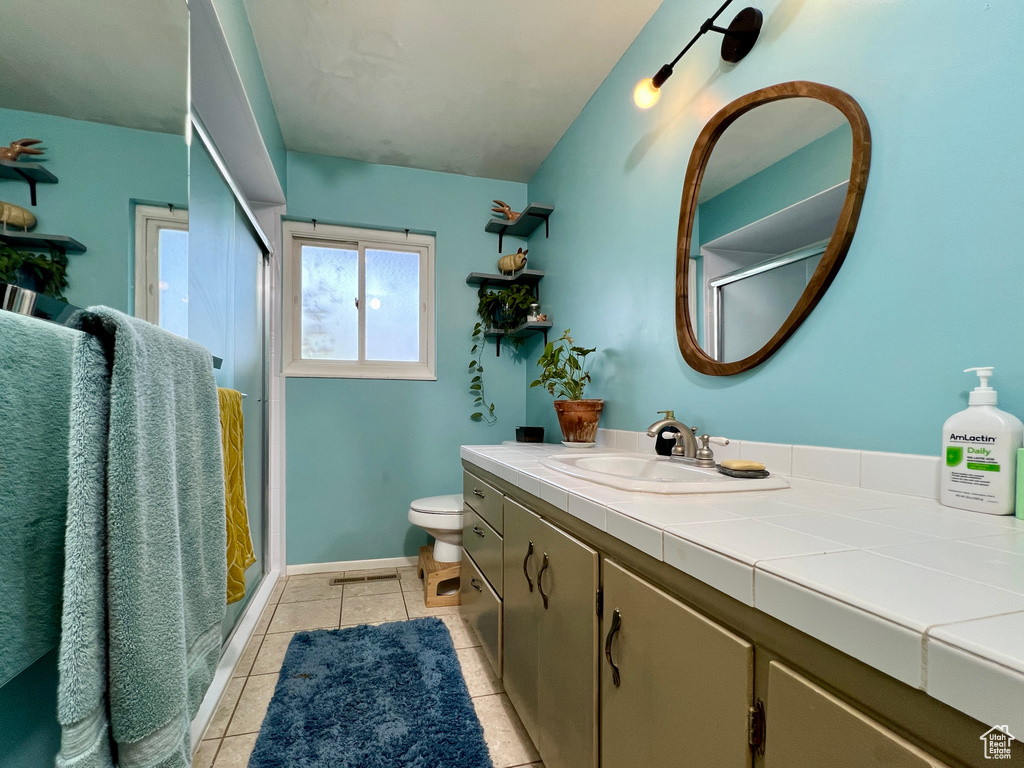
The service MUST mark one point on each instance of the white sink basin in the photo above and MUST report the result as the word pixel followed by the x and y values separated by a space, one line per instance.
pixel 654 474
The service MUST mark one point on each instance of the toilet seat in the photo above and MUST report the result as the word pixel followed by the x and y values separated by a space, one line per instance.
pixel 439 505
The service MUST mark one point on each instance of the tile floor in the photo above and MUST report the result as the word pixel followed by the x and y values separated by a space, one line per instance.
pixel 309 602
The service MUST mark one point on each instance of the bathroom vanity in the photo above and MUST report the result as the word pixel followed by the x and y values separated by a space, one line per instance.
pixel 622 644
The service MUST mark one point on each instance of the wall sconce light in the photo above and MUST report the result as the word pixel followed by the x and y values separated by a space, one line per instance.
pixel 738 38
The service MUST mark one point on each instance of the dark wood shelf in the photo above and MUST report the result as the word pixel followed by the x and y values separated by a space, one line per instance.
pixel 524 225
pixel 523 277
pixel 41 242
pixel 526 329
pixel 32 173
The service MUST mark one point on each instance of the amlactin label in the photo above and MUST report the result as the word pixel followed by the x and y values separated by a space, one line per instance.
pixel 954 438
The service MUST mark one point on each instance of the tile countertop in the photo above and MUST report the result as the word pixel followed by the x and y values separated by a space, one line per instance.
pixel 930 595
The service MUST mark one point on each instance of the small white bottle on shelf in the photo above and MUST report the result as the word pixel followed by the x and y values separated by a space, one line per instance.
pixel 980 445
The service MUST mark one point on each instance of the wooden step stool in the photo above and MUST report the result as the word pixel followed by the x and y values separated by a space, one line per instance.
pixel 433 574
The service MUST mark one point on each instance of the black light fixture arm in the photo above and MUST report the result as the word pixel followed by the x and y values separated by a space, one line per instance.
pixel 744 34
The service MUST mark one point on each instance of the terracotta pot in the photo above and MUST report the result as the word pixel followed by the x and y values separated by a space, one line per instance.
pixel 578 419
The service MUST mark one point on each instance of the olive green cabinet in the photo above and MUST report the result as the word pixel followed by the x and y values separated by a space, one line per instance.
pixel 807 727
pixel 676 687
pixel 550 633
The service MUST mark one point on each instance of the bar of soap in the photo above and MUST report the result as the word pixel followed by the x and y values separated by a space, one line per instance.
pixel 746 466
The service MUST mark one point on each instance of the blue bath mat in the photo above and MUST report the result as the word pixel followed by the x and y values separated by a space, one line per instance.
pixel 390 696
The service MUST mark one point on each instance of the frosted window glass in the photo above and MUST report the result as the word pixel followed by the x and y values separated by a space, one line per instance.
pixel 330 318
pixel 392 305
pixel 172 256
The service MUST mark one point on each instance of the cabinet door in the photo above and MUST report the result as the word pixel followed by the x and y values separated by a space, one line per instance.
pixel 807 727
pixel 521 605
pixel 685 683
pixel 567 669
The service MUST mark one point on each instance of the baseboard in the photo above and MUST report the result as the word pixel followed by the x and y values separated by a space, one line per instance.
pixel 232 652
pixel 351 565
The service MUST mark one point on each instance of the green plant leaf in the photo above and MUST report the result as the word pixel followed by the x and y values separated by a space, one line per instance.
pixel 476 415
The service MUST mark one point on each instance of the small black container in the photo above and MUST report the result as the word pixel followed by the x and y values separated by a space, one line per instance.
pixel 529 434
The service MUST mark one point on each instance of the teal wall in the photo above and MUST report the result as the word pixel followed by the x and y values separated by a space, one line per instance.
pixel 358 451
pixel 238 32
pixel 102 169
pixel 932 281
pixel 813 168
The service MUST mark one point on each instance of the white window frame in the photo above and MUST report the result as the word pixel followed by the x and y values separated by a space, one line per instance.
pixel 149 220
pixel 298 233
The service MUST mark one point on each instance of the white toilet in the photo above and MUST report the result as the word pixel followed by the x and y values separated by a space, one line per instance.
pixel 441 517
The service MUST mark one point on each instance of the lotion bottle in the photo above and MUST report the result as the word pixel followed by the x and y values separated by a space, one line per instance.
pixel 980 445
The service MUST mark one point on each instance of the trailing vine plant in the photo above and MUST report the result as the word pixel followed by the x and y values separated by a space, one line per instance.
pixel 504 310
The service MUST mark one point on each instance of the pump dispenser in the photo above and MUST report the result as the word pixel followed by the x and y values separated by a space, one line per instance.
pixel 982 394
pixel 980 452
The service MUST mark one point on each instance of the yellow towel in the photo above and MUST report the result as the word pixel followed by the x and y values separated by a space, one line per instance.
pixel 232 434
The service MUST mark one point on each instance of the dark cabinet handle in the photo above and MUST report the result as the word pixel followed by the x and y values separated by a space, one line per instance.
pixel 475 584
pixel 540 584
pixel 616 625
pixel 477 492
pixel 526 573
pixel 477 531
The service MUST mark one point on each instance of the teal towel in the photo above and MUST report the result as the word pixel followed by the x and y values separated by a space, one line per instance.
pixel 145 576
pixel 35 386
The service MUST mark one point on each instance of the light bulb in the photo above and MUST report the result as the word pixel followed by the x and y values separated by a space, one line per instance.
pixel 646 94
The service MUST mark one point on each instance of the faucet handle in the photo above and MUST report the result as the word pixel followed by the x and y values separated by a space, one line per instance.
pixel 705 456
pixel 668 414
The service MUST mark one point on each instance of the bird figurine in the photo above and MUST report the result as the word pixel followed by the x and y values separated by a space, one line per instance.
pixel 19 148
pixel 512 262
pixel 502 208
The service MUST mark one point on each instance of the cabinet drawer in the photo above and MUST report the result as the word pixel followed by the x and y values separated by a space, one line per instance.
pixel 484 544
pixel 483 498
pixel 481 608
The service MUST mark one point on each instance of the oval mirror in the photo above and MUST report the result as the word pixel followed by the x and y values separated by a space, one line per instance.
pixel 770 203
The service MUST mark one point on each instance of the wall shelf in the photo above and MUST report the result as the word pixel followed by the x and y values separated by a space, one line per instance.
pixel 31 173
pixel 526 329
pixel 41 242
pixel 524 225
pixel 523 277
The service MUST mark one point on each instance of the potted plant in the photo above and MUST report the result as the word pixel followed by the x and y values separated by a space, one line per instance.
pixel 36 272
pixel 565 375
pixel 502 310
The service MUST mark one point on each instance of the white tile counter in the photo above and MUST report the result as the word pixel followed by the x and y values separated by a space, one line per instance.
pixel 929 595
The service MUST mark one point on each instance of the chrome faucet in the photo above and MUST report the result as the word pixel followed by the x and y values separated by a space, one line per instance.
pixel 686 443
pixel 686 448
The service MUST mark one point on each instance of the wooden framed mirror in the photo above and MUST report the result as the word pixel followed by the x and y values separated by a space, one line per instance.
pixel 770 203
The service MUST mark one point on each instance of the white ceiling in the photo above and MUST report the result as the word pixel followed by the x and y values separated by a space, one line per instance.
pixel 122 63
pixel 475 87
pixel 762 137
